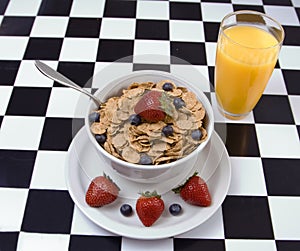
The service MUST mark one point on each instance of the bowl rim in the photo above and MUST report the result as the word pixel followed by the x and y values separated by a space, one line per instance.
pixel 204 100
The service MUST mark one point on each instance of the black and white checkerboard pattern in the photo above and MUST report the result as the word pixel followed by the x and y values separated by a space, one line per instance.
pixel 79 38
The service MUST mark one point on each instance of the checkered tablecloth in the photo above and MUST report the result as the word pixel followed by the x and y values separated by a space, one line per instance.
pixel 81 37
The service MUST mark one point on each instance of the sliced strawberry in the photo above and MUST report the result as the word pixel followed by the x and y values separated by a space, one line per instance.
pixel 149 208
pixel 194 191
pixel 101 191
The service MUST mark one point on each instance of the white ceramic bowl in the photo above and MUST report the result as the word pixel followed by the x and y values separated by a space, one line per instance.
pixel 149 173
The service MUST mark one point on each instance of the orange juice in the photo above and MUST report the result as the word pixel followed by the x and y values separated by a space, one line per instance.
pixel 246 56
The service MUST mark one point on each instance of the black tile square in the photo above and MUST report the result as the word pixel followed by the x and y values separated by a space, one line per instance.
pixel 241 140
pixel 182 244
pixel 298 129
pixel 8 71
pixel 55 8
pixel 282 176
pixel 16 26
pixel 152 29
pixel 16 168
pixel 278 2
pixel 110 50
pixel 286 245
pixel 58 132
pixel 155 67
pixel 292 35
pixel 185 11
pixel 80 73
pixel 211 31
pixel 88 243
pixel 211 75
pixel 193 53
pixel 268 108
pixel 237 7
pixel 291 79
pixel 1 118
pixel 48 211
pixel 120 8
pixel 3 5
pixel 83 27
pixel 247 217
pixel 28 101
pixel 43 48
pixel 9 241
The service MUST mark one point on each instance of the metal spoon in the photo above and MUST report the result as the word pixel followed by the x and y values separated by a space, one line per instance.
pixel 58 77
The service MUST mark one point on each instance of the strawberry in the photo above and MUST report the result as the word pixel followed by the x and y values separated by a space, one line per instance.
pixel 154 106
pixel 149 207
pixel 101 191
pixel 194 191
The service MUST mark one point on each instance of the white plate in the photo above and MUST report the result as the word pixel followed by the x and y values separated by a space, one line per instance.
pixel 83 164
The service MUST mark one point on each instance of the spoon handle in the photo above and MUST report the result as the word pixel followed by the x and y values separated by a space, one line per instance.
pixel 58 77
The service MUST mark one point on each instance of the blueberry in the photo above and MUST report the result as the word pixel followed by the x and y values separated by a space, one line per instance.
pixel 94 117
pixel 196 134
pixel 101 138
pixel 135 119
pixel 167 130
pixel 167 86
pixel 126 210
pixel 145 160
pixel 175 209
pixel 178 103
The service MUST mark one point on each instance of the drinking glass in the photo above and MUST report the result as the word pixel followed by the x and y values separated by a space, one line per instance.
pixel 247 51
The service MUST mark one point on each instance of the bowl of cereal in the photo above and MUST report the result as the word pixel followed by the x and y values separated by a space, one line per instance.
pixel 152 126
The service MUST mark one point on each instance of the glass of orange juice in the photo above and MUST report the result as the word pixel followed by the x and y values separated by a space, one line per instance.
pixel 247 50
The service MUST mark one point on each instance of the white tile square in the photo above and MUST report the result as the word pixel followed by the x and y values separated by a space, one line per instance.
pixel 79 49
pixel 44 26
pixel 5 92
pixel 218 116
pixel 285 15
pixel 147 245
pixel 22 133
pixel 151 52
pixel 288 58
pixel 285 215
pixel 215 12
pixel 278 141
pixel 252 2
pixel 83 8
pixel 23 8
pixel 48 242
pixel 81 225
pixel 296 3
pixel 213 228
pixel 117 28
pixel 66 102
pixel 105 73
pixel 13 48
pixel 210 49
pixel 29 75
pixel 190 1
pixel 250 245
pixel 191 31
pixel 295 106
pixel 49 170
pixel 196 75
pixel 152 10
pixel 13 203
pixel 276 85
pixel 247 177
